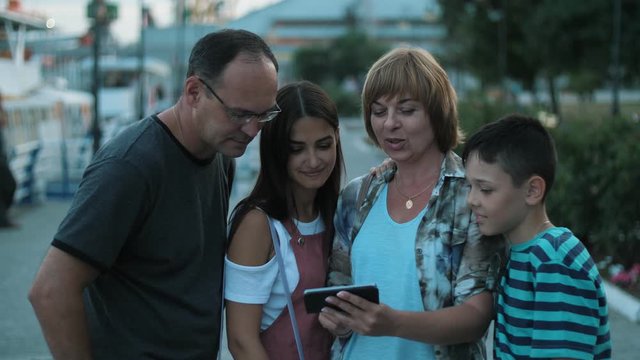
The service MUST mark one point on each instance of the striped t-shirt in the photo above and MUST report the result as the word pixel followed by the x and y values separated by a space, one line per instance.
pixel 551 301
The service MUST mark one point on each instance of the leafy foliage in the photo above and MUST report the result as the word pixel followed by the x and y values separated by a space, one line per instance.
pixel 312 63
pixel 542 39
pixel 595 193
pixel 343 61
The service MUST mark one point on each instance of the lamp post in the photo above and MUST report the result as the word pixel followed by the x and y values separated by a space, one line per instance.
pixel 101 13
pixel 499 16
pixel 141 48
pixel 98 23
pixel 615 59
pixel 179 48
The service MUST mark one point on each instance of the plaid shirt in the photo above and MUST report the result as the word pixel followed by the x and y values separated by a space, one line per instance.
pixel 454 261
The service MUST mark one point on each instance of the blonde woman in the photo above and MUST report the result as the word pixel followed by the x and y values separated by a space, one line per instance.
pixel 411 231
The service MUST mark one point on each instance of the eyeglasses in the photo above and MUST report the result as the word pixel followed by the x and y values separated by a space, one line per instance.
pixel 242 116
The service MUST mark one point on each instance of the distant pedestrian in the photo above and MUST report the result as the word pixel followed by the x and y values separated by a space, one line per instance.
pixel 7 181
pixel 135 269
pixel 158 100
pixel 551 299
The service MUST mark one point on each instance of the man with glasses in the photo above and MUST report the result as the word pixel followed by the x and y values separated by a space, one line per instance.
pixel 135 269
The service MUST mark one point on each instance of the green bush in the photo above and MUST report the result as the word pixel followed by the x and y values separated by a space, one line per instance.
pixel 348 103
pixel 477 110
pixel 595 193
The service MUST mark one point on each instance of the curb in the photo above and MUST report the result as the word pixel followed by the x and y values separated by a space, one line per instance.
pixel 620 301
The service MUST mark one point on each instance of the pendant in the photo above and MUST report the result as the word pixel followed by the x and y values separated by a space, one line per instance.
pixel 408 204
pixel 300 241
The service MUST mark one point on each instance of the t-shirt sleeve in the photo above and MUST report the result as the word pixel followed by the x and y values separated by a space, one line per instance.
pixel 249 284
pixel 107 207
pixel 565 313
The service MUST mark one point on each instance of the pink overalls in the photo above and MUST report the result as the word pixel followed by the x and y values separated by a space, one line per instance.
pixel 311 255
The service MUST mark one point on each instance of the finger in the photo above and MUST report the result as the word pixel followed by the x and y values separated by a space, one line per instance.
pixel 327 321
pixel 341 319
pixel 355 300
pixel 332 326
pixel 387 164
pixel 344 304
pixel 333 311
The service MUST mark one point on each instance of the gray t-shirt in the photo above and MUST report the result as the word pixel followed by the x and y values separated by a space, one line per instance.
pixel 152 218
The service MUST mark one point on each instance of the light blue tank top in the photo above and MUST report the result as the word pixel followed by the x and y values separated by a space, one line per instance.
pixel 384 253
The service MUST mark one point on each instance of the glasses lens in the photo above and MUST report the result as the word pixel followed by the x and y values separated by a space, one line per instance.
pixel 248 117
pixel 269 116
pixel 242 119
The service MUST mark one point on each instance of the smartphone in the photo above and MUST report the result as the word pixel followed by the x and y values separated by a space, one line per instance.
pixel 314 298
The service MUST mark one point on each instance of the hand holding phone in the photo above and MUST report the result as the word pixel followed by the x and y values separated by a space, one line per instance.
pixel 314 299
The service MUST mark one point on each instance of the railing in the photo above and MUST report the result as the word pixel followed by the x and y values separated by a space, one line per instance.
pixel 23 159
pixel 61 164
pixel 53 168
pixel 48 169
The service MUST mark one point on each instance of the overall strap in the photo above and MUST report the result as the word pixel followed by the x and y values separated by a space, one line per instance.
pixel 364 189
pixel 361 215
pixel 292 314
pixel 221 333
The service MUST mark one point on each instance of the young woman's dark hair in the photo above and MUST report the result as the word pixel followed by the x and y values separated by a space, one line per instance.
pixel 272 191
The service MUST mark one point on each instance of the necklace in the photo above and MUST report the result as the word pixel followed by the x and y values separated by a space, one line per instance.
pixel 296 230
pixel 541 226
pixel 175 114
pixel 409 203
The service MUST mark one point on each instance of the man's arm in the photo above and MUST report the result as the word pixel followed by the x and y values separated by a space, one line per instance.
pixel 56 297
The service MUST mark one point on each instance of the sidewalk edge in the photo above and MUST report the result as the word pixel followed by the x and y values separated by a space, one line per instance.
pixel 622 302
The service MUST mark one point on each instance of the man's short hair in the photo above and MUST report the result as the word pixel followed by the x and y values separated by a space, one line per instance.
pixel 214 51
pixel 520 145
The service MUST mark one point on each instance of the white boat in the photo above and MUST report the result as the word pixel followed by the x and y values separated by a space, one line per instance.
pixel 119 93
pixel 47 129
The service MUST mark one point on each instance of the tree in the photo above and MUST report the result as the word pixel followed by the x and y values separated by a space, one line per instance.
pixel 345 60
pixel 546 39
pixel 348 56
pixel 312 63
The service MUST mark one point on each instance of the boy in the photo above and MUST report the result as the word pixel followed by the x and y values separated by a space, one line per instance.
pixel 551 300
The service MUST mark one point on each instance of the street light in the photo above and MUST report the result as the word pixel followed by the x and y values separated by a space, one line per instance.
pixel 101 13
pixel 141 47
pixel 615 58
pixel 98 23
pixel 499 16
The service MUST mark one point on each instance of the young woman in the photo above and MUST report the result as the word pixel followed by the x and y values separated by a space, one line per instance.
pixel 297 190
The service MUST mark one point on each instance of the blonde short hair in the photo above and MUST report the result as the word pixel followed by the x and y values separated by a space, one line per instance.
pixel 416 73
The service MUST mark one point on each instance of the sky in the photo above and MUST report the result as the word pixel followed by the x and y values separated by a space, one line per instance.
pixel 70 15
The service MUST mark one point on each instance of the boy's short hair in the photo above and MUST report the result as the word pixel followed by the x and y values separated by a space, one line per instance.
pixel 520 145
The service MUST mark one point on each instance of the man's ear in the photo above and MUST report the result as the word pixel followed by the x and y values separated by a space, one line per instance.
pixel 536 187
pixel 192 90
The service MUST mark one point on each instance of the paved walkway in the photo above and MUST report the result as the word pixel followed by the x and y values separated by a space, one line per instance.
pixel 22 250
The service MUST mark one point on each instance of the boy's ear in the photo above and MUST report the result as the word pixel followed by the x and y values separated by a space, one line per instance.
pixel 536 187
